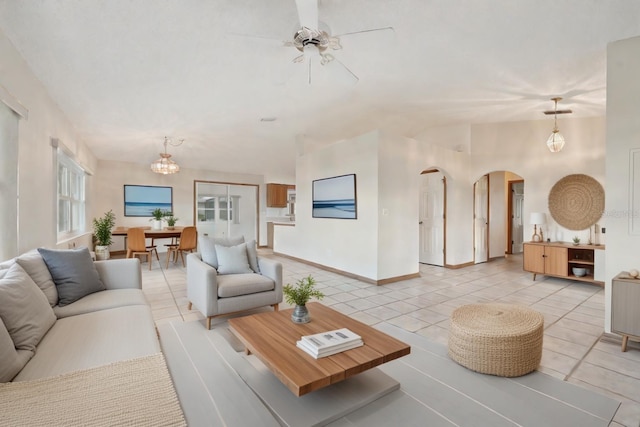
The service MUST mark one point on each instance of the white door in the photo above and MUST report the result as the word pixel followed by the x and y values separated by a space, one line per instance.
pixel 481 220
pixel 431 218
pixel 226 210
pixel 517 224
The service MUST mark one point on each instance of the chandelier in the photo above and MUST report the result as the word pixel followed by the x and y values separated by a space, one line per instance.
pixel 164 165
pixel 555 143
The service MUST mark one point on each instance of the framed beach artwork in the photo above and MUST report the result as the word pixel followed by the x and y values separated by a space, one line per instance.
pixel 335 197
pixel 141 200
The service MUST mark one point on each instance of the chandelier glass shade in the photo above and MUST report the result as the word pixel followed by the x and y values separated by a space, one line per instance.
pixel 164 165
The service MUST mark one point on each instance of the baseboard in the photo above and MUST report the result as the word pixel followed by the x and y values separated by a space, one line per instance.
pixel 352 275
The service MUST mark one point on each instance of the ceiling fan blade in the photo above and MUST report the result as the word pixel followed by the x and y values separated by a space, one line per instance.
pixel 371 30
pixel 308 13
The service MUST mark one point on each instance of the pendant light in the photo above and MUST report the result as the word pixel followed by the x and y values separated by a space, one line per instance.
pixel 555 143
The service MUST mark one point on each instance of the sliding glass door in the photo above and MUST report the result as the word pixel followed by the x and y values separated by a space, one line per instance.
pixel 226 210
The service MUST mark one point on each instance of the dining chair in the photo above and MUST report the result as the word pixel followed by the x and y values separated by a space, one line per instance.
pixel 137 245
pixel 188 243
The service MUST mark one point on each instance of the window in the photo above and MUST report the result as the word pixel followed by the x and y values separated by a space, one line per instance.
pixel 71 197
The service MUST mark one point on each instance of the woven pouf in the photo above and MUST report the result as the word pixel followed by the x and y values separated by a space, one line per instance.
pixel 496 339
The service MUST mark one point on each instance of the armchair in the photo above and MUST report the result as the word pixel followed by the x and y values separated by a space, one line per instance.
pixel 215 294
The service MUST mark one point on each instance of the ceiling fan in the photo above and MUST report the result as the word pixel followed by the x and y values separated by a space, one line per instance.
pixel 315 41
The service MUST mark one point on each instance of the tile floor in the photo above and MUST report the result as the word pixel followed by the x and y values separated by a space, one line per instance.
pixel 573 348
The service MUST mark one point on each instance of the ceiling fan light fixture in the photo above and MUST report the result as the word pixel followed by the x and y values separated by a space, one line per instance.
pixel 164 165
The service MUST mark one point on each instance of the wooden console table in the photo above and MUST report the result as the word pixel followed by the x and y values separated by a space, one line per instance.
pixel 558 259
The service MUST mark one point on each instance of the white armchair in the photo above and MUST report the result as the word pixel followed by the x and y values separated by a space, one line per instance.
pixel 215 294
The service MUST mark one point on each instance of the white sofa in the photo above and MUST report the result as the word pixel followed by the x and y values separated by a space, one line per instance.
pixel 103 327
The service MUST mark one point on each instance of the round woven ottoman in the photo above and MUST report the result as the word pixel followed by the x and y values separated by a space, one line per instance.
pixel 496 339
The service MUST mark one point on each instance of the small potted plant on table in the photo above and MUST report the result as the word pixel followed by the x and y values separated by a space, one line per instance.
pixel 158 216
pixel 171 220
pixel 102 232
pixel 576 241
pixel 299 295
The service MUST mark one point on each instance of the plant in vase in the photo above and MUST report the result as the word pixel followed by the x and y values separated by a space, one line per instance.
pixel 158 215
pixel 576 241
pixel 102 233
pixel 299 294
pixel 171 220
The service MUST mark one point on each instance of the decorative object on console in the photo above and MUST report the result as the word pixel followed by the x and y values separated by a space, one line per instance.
pixel 555 143
pixel 576 241
pixel 537 219
pixel 579 271
pixel 102 233
pixel 164 165
pixel 633 273
pixel 576 202
pixel 299 295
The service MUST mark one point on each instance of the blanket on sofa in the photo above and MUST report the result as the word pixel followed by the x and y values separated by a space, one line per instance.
pixel 133 392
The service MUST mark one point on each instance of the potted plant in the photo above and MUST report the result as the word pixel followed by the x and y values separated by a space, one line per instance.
pixel 102 232
pixel 171 220
pixel 158 216
pixel 576 241
pixel 299 295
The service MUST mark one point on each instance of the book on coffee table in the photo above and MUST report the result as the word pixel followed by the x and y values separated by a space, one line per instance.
pixel 330 342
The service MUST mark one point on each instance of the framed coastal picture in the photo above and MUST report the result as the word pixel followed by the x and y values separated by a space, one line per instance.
pixel 141 200
pixel 335 197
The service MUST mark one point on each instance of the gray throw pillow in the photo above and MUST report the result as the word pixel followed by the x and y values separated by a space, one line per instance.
pixel 233 259
pixel 12 360
pixel 24 309
pixel 208 247
pixel 35 267
pixel 73 273
pixel 252 254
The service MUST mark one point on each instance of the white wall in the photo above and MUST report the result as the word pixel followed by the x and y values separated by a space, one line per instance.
pixel 111 177
pixel 37 174
pixel 343 244
pixel 623 135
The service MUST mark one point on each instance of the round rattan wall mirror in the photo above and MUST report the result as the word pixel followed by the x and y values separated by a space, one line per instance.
pixel 576 201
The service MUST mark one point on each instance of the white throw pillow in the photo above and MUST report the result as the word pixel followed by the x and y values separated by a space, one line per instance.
pixel 24 309
pixel 233 259
pixel 208 247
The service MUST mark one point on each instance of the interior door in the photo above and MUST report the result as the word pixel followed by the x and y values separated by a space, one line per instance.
pixel 517 223
pixel 481 220
pixel 431 218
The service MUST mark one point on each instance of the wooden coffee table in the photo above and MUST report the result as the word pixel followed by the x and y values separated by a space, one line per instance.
pixel 272 338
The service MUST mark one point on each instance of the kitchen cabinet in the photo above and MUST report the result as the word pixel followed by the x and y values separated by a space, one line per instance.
pixel 277 195
pixel 558 259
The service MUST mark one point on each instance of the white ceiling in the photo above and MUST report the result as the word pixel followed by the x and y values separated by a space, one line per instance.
pixel 129 72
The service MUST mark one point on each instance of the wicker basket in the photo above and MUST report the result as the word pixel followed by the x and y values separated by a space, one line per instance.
pixel 496 339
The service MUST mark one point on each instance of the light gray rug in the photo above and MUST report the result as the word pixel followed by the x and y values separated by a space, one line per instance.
pixel 219 385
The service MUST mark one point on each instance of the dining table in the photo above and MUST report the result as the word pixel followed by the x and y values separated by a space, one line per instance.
pixel 151 233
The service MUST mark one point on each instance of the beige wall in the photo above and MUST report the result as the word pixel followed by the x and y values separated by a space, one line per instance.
pixel 111 177
pixel 36 161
